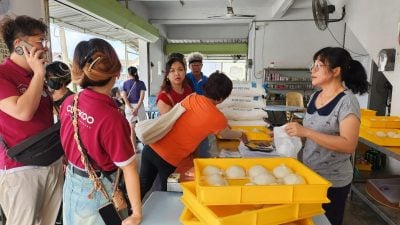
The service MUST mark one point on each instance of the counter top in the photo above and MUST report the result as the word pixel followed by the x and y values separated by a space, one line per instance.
pixel 165 208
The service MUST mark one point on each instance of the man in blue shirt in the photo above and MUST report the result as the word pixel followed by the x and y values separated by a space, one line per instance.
pixel 196 78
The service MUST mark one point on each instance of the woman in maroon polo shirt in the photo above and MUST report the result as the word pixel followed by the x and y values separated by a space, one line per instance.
pixel 104 133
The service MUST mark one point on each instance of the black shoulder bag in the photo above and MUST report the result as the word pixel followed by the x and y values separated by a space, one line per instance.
pixel 41 149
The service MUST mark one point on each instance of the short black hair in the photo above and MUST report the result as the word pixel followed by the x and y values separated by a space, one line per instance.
pixel 114 91
pixel 57 74
pixel 12 29
pixel 218 86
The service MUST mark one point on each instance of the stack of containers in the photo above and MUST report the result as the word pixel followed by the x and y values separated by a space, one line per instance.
pixel 382 130
pixel 244 106
pixel 238 202
pixel 244 110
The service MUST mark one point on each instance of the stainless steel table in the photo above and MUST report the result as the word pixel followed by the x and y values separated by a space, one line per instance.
pixel 164 208
pixel 285 108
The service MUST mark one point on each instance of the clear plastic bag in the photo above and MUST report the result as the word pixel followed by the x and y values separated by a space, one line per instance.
pixel 286 145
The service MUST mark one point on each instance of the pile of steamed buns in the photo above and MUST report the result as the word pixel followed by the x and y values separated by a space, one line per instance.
pixel 257 175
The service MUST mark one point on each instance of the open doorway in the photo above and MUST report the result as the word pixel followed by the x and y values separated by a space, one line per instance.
pixel 380 93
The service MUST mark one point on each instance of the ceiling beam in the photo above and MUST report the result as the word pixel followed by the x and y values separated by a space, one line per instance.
pixel 218 48
pixel 114 13
pixel 280 7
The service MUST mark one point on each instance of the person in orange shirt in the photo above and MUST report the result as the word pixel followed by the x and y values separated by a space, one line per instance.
pixel 200 119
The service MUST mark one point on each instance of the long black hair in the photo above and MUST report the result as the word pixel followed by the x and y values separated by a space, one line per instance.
pixel 352 72
pixel 132 71
pixel 166 84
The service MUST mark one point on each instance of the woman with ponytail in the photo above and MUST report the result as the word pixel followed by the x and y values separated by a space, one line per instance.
pixel 133 92
pixel 331 124
pixel 103 132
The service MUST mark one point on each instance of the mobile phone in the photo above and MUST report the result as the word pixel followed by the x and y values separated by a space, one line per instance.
pixel 28 46
pixel 109 214
pixel 19 49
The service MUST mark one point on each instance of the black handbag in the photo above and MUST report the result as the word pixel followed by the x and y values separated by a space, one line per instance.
pixel 41 149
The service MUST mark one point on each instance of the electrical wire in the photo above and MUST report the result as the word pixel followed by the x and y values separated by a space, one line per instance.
pixel 342 45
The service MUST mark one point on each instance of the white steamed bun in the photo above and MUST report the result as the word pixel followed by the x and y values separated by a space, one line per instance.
pixel 234 172
pixel 281 171
pixel 293 179
pixel 210 170
pixel 263 179
pixel 216 180
pixel 256 169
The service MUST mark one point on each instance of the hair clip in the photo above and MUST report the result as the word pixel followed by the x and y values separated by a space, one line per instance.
pixel 92 63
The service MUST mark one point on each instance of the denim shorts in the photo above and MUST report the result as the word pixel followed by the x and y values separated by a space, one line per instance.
pixel 77 207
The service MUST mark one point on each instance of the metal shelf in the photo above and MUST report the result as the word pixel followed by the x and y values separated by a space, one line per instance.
pixel 288 81
pixel 389 215
pixel 390 151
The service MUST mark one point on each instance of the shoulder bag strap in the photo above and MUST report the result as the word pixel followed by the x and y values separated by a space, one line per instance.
pixel 169 97
pixel 98 185
pixel 129 93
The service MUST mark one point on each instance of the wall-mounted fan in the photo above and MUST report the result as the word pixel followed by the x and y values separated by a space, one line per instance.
pixel 321 11
pixel 230 14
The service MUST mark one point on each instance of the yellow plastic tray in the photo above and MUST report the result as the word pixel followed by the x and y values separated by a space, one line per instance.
pixel 230 145
pixel 370 134
pixel 188 218
pixel 246 214
pixel 313 191
pixel 381 121
pixel 393 122
pixel 254 133
pixel 367 112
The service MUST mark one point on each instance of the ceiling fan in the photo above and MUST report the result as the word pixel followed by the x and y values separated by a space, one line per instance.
pixel 230 14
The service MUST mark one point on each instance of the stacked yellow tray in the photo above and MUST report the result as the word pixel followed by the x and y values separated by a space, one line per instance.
pixel 239 203
pixel 367 112
pixel 246 214
pixel 381 136
pixel 237 192
pixel 188 218
pixel 381 121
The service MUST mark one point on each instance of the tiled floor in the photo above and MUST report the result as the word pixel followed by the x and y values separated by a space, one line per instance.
pixel 359 213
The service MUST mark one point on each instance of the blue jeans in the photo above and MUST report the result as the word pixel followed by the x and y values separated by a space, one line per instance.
pixel 77 207
pixel 203 150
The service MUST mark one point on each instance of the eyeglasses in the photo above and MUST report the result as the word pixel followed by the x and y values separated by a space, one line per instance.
pixel 196 64
pixel 316 67
pixel 45 43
